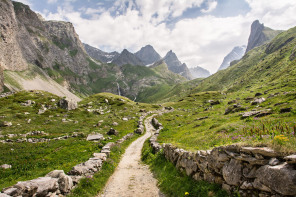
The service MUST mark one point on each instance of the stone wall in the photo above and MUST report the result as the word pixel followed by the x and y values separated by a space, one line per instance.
pixel 252 171
pixel 57 183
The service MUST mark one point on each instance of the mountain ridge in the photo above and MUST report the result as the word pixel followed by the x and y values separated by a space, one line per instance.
pixel 199 72
pixel 148 55
pixel 235 54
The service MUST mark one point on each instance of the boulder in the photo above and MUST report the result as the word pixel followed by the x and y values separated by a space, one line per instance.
pixel 65 182
pixel 285 110
pixel 95 137
pixel 232 172
pixel 156 124
pixel 112 132
pixel 258 101
pixel 280 178
pixel 36 187
pixel 89 167
pixel 67 104
pixel 234 108
pixel 217 102
pixel 291 159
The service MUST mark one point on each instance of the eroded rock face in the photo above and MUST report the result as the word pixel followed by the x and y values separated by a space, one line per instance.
pixel 280 178
pixel 11 56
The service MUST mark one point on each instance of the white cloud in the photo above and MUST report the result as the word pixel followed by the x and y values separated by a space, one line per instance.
pixel 52 1
pixel 202 41
pixel 211 6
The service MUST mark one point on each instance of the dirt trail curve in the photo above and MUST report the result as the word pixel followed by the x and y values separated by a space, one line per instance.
pixel 133 178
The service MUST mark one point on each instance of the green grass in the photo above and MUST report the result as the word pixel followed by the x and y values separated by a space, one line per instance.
pixel 173 182
pixel 30 161
pixel 93 185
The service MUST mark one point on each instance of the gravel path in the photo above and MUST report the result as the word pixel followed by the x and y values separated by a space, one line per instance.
pixel 132 177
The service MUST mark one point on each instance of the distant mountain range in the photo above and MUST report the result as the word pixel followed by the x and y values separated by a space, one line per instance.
pixel 236 54
pixel 144 57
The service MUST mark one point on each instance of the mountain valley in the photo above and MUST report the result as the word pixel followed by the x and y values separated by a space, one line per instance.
pixel 78 121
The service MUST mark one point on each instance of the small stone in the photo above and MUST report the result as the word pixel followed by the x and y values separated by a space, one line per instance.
pixel 115 124
pixel 273 162
pixel 5 166
pixel 125 119
pixel 95 137
pixel 112 132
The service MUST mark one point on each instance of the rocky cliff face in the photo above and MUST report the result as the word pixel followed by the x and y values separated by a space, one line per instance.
pixel 199 72
pixel 11 56
pixel 260 35
pixel 1 79
pixel 176 66
pixel 236 54
pixel 127 57
pixel 148 55
pixel 34 41
pixel 100 55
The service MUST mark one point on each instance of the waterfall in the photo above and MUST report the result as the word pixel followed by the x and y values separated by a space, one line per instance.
pixel 118 88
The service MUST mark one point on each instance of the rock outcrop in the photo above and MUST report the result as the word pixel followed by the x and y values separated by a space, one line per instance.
pixel 236 54
pixel 176 66
pixel 199 72
pixel 148 55
pixel 260 35
pixel 127 57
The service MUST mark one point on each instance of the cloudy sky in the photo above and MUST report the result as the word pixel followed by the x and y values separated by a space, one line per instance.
pixel 200 32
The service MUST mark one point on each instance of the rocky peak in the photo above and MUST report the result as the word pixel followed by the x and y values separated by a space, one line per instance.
pixel 148 55
pixel 176 66
pixel 235 54
pixel 260 35
pixel 100 55
pixel 127 57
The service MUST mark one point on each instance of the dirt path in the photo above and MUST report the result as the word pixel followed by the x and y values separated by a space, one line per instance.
pixel 133 178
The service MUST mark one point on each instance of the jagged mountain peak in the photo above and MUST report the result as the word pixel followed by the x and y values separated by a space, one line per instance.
pixel 176 66
pixel 148 55
pixel 260 35
pixel 127 57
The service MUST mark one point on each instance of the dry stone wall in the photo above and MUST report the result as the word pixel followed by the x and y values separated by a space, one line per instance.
pixel 251 171
pixel 57 183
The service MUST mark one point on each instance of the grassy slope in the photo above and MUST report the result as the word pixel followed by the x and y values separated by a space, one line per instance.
pixel 270 70
pixel 33 160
